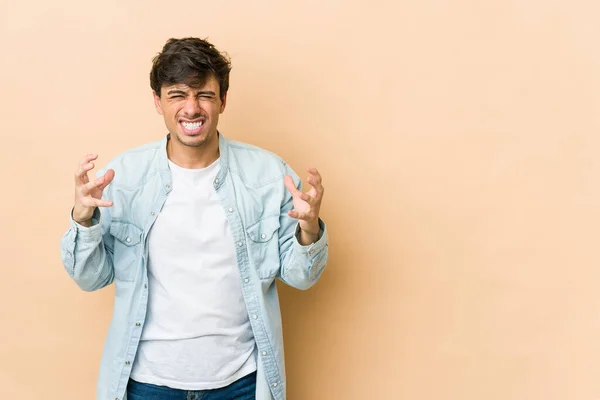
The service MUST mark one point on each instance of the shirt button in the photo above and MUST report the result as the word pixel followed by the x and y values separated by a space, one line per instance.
pixel 128 240
pixel 264 353
pixel 240 244
pixel 275 384
pixel 145 286
pixel 137 324
pixel 255 316
pixel 263 236
pixel 152 213
pixel 167 186
pixel 311 252
pixel 230 209
pixel 216 181
pixel 246 280
pixel 127 363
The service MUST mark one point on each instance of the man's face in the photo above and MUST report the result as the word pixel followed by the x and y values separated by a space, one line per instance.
pixel 191 114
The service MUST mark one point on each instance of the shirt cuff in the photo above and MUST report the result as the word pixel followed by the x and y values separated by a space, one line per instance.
pixel 314 248
pixel 91 233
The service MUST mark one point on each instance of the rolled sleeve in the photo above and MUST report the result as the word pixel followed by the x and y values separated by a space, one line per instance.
pixel 88 234
pixel 79 237
pixel 312 250
pixel 305 264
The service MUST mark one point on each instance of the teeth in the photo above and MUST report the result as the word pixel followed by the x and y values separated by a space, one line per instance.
pixel 192 125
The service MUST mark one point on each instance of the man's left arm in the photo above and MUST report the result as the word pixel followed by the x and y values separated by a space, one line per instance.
pixel 303 241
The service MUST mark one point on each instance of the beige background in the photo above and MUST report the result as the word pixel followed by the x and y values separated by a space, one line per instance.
pixel 458 141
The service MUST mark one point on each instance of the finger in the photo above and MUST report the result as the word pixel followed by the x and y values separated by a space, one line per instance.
pixel 85 161
pixel 99 183
pixel 91 202
pixel 81 174
pixel 289 184
pixel 300 215
pixel 88 157
pixel 307 198
pixel 314 182
pixel 315 173
pixel 318 187
pixel 108 177
pixel 88 187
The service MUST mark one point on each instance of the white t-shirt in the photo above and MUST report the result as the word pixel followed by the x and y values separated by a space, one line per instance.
pixel 197 334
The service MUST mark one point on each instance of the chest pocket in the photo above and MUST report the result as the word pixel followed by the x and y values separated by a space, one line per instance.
pixel 126 249
pixel 263 246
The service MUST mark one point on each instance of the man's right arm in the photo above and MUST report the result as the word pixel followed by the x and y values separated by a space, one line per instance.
pixel 87 246
pixel 87 252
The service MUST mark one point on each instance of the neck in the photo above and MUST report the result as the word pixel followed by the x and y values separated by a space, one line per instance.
pixel 193 157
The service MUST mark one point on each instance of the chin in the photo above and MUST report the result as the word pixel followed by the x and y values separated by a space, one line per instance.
pixel 192 141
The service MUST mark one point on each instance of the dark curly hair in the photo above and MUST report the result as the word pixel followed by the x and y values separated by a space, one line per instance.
pixel 190 61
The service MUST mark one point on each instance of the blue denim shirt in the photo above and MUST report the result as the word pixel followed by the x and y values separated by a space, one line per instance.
pixel 115 249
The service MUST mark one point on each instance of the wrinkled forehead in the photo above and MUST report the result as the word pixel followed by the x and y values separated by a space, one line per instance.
pixel 193 84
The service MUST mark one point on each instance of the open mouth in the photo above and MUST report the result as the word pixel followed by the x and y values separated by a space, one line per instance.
pixel 191 127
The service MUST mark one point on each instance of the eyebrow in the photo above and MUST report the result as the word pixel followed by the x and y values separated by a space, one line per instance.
pixel 178 91
pixel 175 91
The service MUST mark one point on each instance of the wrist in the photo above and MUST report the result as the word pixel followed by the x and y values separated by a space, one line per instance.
pixel 308 233
pixel 310 228
pixel 83 219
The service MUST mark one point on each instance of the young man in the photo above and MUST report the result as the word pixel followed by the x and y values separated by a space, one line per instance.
pixel 193 230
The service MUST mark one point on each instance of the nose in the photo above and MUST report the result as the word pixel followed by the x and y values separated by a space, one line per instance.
pixel 191 107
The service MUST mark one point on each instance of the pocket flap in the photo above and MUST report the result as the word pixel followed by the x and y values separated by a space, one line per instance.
pixel 127 233
pixel 263 230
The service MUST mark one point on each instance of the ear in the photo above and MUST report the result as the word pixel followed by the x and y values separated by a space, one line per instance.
pixel 223 103
pixel 157 103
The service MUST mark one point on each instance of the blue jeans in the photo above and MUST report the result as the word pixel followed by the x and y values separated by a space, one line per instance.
pixel 242 389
